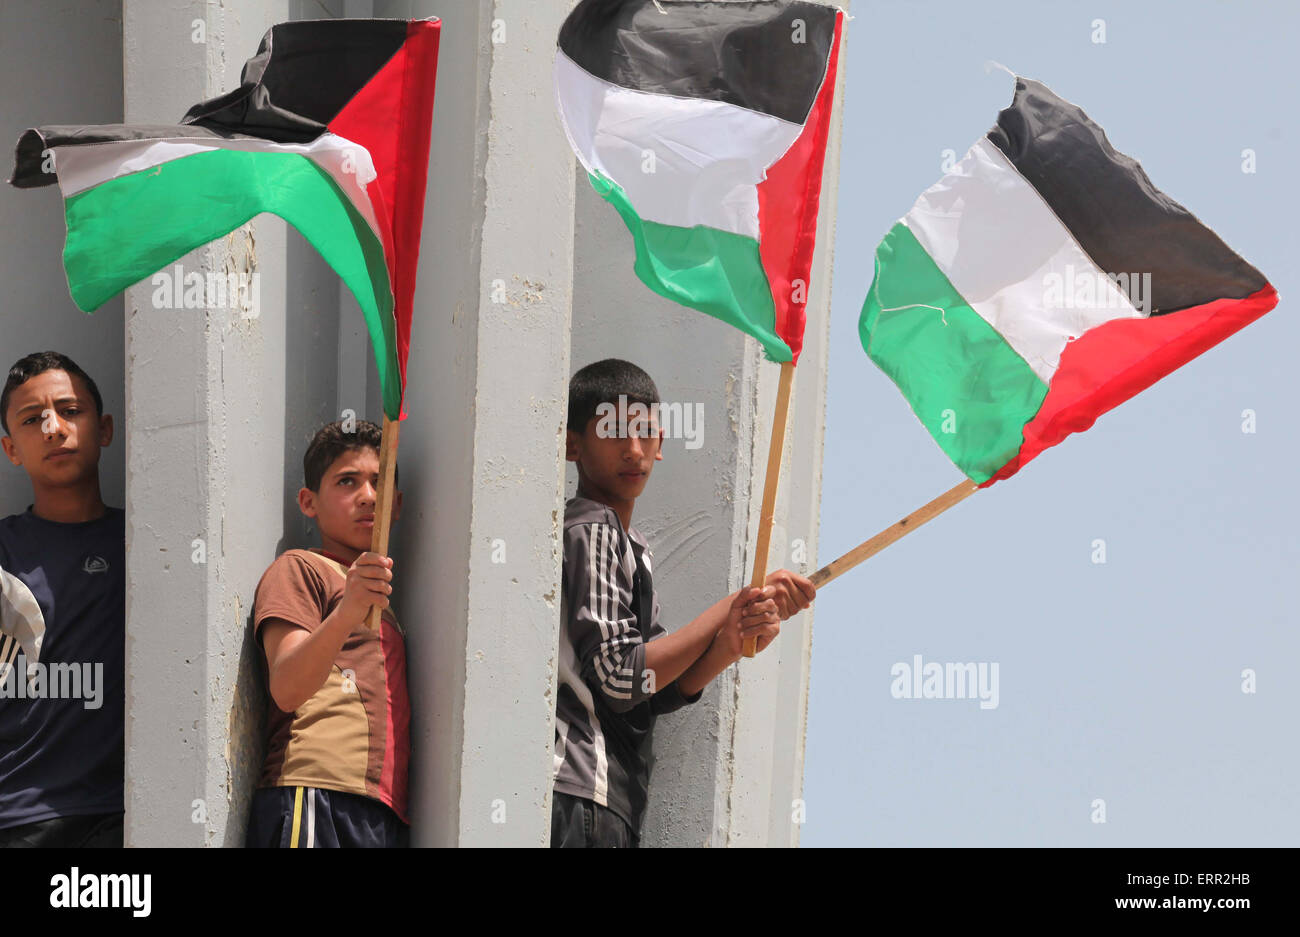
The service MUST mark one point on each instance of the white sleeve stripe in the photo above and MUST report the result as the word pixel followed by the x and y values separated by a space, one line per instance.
pixel 611 586
pixel 611 663
pixel 611 674
pixel 593 573
pixel 616 661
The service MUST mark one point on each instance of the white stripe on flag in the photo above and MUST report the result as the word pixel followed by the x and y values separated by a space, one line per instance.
pixel 995 239
pixel 87 165
pixel 681 161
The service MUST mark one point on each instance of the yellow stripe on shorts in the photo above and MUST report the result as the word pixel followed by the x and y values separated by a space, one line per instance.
pixel 297 817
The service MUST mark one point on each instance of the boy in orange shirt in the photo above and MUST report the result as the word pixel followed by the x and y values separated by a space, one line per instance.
pixel 338 739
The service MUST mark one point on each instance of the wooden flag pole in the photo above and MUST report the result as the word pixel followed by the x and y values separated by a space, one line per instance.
pixel 384 501
pixel 768 515
pixel 887 536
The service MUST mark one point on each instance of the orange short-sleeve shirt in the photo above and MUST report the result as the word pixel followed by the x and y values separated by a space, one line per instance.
pixel 353 734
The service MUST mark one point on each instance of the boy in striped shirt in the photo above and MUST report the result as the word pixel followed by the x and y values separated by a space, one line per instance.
pixel 619 668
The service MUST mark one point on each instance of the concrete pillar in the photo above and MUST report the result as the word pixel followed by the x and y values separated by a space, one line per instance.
pixel 38 314
pixel 694 511
pixel 766 783
pixel 220 406
pixel 211 425
pixel 484 442
pixel 727 769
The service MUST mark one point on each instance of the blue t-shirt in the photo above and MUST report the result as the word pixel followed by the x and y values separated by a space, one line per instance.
pixel 63 621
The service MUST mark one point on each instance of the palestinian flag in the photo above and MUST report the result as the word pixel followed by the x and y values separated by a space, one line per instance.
pixel 1040 283
pixel 329 129
pixel 704 125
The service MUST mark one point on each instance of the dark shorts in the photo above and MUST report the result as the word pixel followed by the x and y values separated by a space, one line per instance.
pixel 311 817
pixel 584 824
pixel 95 831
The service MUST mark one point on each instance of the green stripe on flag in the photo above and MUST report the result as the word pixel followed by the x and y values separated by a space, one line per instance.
pixel 717 272
pixel 124 230
pixel 965 384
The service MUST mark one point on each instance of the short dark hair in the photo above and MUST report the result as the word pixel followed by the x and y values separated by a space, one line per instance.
pixel 331 441
pixel 604 382
pixel 38 362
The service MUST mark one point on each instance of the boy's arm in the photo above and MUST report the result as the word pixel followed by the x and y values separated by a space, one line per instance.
pixel 669 656
pixel 614 656
pixel 299 659
pixel 754 613
pixel 786 594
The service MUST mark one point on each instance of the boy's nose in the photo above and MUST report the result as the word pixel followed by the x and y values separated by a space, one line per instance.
pixel 54 425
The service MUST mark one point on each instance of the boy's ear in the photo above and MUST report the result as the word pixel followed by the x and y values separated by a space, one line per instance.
pixel 10 450
pixel 659 456
pixel 397 506
pixel 105 430
pixel 571 440
pixel 307 501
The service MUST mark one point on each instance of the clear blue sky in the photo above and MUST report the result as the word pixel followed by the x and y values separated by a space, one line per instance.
pixel 1120 681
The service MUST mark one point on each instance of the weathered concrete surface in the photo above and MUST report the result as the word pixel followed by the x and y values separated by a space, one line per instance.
pixel 767 784
pixel 210 418
pixel 488 378
pixel 728 769
pixel 220 408
pixel 37 314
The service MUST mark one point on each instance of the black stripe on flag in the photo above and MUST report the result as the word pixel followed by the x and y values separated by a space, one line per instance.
pixel 303 74
pixel 765 55
pixel 1120 219
pixel 29 155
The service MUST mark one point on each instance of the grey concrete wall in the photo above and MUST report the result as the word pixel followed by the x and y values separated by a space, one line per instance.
pixel 726 769
pixel 220 407
pixel 437 450
pixel 62 64
pixel 218 404
pixel 693 511
pixel 772 721
pixel 488 375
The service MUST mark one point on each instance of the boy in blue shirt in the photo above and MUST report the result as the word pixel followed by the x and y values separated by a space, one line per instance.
pixel 62 616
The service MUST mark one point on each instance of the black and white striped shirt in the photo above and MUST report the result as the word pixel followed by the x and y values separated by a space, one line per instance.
pixel 607 701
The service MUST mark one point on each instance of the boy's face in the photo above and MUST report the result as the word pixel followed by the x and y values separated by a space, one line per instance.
pixel 344 507
pixel 615 458
pixel 55 431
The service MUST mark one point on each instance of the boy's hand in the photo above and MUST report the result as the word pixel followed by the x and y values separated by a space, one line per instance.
pixel 753 614
pixel 367 585
pixel 794 593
